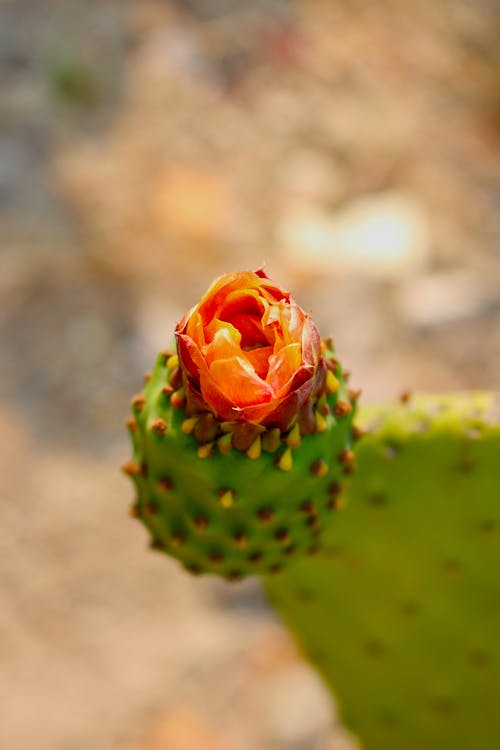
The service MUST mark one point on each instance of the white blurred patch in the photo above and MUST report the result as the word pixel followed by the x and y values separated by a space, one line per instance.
pixel 384 236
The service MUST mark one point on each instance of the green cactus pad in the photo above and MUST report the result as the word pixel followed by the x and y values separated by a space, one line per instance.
pixel 401 611
pixel 236 512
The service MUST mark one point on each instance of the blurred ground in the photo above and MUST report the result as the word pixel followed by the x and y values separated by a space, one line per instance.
pixel 144 148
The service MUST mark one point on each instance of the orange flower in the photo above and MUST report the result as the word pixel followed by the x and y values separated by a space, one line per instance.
pixel 249 353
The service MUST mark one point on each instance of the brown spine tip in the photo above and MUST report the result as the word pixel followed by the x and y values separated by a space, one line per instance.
pixel 308 508
pixel 178 398
pixel 342 409
pixel 205 450
pixel 206 428
pixel 138 402
pixel 275 568
pixel 134 510
pixel 346 456
pixel 216 557
pixel 282 535
pixel 167 390
pixel 200 522
pixel 332 364
pixel 334 489
pixel 244 435
pixel 354 394
pixel 175 378
pixel 156 544
pixel 405 397
pixel 178 538
pixel 226 497
pixel 132 469
pixel 152 507
pixel 255 557
pixel 159 426
pixel 357 433
pixel 271 440
pixel 319 468
pixel 348 469
pixel 234 575
pixel 265 514
pixel 147 376
pixel 346 374
pixel 131 423
pixel 165 484
pixel 290 550
pixel 166 354
pixel 241 539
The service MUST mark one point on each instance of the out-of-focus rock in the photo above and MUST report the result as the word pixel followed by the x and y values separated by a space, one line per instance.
pixel 447 297
pixel 299 709
pixel 384 236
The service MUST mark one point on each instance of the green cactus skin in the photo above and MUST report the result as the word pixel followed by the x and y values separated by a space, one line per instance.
pixel 401 611
pixel 236 512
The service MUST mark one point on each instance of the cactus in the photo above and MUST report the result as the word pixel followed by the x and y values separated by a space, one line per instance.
pixel 394 597
pixel 235 497
pixel 401 611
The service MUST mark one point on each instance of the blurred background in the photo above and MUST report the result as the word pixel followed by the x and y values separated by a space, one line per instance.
pixel 146 147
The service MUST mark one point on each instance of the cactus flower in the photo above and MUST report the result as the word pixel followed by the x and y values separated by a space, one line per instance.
pixel 249 353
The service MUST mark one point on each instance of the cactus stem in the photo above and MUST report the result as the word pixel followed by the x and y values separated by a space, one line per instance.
pixel 319 468
pixel 285 461
pixel 159 426
pixel 138 402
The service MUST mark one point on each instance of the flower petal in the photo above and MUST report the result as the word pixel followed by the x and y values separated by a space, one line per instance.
pixel 238 380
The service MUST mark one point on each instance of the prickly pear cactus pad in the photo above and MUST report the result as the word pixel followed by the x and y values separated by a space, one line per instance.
pixel 243 435
pixel 401 611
